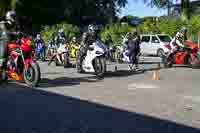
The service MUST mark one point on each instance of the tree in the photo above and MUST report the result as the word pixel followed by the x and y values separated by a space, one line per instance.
pixel 185 5
pixel 78 12
pixel 185 9
pixel 116 30
pixel 6 5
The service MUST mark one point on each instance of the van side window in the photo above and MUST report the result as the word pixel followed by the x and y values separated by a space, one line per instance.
pixel 155 39
pixel 145 38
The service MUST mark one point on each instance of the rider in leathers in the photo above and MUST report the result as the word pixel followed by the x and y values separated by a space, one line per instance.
pixel 134 48
pixel 5 25
pixel 40 45
pixel 177 42
pixel 60 42
pixel 88 38
pixel 60 37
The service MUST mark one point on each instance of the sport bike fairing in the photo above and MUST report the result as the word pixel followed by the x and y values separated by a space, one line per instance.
pixel 97 49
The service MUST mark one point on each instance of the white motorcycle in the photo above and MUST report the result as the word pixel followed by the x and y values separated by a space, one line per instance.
pixel 94 61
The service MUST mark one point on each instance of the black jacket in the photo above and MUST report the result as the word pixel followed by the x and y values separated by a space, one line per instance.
pixel 87 39
pixel 134 43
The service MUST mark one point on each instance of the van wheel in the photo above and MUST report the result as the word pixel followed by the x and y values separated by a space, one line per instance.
pixel 160 53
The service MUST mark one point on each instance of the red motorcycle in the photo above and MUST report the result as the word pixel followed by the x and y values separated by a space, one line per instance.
pixel 20 64
pixel 187 56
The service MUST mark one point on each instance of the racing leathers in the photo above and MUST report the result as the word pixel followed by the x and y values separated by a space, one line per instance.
pixel 134 49
pixel 87 40
pixel 175 44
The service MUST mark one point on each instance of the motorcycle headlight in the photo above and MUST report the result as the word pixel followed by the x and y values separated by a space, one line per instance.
pixel 100 51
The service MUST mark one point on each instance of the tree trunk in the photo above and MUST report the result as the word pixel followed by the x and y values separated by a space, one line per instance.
pixel 185 9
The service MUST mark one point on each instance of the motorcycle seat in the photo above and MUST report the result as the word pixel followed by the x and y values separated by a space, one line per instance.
pixel 91 48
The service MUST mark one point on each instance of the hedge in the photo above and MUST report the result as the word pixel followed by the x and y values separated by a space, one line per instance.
pixel 70 31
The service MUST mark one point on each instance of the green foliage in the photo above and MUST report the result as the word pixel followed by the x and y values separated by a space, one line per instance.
pixel 130 17
pixel 77 12
pixel 116 30
pixel 195 24
pixel 171 26
pixel 147 27
pixel 164 25
pixel 194 28
pixel 69 29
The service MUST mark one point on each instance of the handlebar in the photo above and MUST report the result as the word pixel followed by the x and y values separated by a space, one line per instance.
pixel 185 49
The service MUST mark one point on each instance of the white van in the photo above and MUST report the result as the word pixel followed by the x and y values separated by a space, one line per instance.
pixel 154 44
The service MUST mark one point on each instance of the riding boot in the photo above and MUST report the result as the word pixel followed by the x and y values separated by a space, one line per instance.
pixel 59 59
pixel 81 53
pixel 136 64
pixel 51 60
pixel 168 56
pixel 79 63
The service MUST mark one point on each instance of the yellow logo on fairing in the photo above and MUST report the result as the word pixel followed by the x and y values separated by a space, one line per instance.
pixel 15 76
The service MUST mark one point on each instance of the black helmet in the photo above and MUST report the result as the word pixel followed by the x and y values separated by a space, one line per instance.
pixel 92 28
pixel 132 35
pixel 135 33
pixel 19 35
pixel 183 30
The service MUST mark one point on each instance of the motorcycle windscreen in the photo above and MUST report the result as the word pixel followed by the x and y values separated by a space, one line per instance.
pixel 101 45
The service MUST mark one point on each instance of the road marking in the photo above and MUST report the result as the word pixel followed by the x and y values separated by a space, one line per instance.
pixel 193 98
pixel 132 86
pixel 135 86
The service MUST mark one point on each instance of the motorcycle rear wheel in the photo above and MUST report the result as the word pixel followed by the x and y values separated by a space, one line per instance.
pixel 194 63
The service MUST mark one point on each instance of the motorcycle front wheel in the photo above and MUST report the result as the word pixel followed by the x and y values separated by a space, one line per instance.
pixel 195 64
pixel 66 60
pixel 32 74
pixel 167 62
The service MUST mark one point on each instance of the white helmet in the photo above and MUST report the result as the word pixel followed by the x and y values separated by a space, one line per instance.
pixel 61 31
pixel 38 36
pixel 183 30
pixel 10 16
pixel 74 38
pixel 91 28
pixel 179 35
